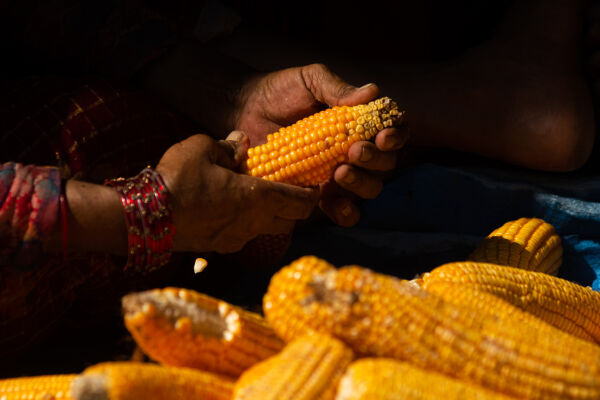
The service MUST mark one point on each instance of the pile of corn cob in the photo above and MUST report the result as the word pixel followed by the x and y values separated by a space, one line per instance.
pixel 497 326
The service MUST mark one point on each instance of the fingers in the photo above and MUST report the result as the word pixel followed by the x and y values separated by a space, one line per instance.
pixel 229 153
pixel 328 88
pixel 391 139
pixel 359 182
pixel 368 156
pixel 282 200
pixel 279 225
pixel 340 210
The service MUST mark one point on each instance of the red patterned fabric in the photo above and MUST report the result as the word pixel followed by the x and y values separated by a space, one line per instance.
pixel 91 130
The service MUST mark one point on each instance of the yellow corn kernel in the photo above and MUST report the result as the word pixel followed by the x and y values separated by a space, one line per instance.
pixel 378 315
pixel 568 306
pixel 139 381
pixel 317 144
pixel 388 379
pixel 308 368
pixel 48 387
pixel 181 327
pixel 475 297
pixel 527 243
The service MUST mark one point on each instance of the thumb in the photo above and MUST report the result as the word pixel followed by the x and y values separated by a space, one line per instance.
pixel 232 151
pixel 329 88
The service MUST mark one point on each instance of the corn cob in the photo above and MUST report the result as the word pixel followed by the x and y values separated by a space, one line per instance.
pixel 308 368
pixel 474 297
pixel 48 387
pixel 527 243
pixel 388 379
pixel 139 381
pixel 307 152
pixel 181 327
pixel 570 307
pixel 378 315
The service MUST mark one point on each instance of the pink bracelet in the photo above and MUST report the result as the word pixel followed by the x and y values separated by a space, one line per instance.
pixel 149 217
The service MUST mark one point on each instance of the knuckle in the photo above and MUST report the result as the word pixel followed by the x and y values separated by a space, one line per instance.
pixel 319 68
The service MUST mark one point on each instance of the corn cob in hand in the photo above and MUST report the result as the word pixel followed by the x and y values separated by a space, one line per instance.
pixel 145 381
pixel 181 327
pixel 527 243
pixel 308 368
pixel 566 305
pixel 307 152
pixel 378 315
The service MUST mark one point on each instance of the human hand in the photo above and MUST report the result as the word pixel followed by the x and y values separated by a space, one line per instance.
pixel 216 209
pixel 281 98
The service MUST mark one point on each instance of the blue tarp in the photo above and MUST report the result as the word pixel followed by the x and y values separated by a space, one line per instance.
pixel 431 214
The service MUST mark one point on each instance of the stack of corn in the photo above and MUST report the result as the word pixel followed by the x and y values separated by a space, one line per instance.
pixel 494 327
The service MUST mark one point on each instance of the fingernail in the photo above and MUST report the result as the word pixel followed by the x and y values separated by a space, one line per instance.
pixel 391 141
pixel 350 177
pixel 235 136
pixel 365 154
pixel 366 86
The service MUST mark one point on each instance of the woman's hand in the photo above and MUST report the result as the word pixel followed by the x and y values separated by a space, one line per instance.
pixel 216 209
pixel 281 98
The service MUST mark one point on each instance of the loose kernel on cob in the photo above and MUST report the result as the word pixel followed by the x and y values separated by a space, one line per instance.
pixel 474 297
pixel 308 368
pixel 181 327
pixel 527 243
pixel 307 152
pixel 139 381
pixel 378 315
pixel 48 387
pixel 570 307
pixel 388 379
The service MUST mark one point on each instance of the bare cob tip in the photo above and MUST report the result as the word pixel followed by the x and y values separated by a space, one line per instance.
pixel 90 387
pixel 174 306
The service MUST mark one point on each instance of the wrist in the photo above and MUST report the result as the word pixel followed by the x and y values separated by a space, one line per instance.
pixel 149 219
pixel 94 218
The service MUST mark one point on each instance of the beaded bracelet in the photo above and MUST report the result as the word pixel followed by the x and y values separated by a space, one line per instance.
pixel 149 217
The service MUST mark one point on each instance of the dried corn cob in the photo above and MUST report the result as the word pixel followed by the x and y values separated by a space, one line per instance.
pixel 570 307
pixel 379 315
pixel 49 387
pixel 181 327
pixel 138 381
pixel 472 296
pixel 308 368
pixel 388 379
pixel 307 152
pixel 527 243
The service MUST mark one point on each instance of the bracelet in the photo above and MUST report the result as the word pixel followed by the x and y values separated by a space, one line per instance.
pixel 149 217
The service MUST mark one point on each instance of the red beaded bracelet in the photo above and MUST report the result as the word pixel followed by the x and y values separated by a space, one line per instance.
pixel 149 217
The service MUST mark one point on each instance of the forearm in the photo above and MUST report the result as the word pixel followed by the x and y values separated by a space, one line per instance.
pixel 96 221
pixel 201 83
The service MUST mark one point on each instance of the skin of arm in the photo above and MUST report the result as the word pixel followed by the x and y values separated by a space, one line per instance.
pixel 214 208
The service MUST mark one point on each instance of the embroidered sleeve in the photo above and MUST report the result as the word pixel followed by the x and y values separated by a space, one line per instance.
pixel 29 208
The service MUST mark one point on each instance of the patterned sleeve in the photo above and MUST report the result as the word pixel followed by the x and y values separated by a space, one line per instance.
pixel 29 210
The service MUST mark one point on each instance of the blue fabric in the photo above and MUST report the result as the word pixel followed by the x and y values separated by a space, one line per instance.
pixel 430 214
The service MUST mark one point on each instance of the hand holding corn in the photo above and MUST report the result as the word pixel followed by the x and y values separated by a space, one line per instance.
pixel 217 209
pixel 280 99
